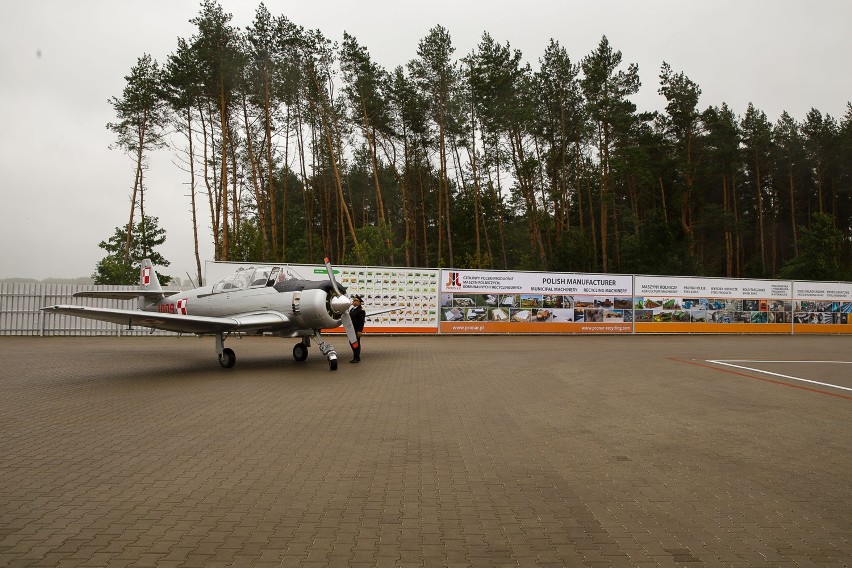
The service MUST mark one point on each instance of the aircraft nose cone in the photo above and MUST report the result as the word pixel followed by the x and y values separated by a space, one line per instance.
pixel 340 304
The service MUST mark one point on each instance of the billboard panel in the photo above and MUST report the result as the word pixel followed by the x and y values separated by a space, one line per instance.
pixel 502 302
pixel 670 304
pixel 822 307
pixel 479 301
pixel 414 290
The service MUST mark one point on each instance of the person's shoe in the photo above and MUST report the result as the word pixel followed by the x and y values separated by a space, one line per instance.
pixel 355 361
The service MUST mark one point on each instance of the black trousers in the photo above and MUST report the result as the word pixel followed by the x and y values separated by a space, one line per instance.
pixel 356 351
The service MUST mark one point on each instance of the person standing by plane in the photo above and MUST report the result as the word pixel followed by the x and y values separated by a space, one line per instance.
pixel 357 313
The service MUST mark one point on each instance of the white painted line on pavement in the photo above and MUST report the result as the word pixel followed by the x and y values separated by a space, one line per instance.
pixel 729 363
pixel 773 361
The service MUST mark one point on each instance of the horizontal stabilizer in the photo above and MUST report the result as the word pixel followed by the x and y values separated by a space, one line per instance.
pixel 126 294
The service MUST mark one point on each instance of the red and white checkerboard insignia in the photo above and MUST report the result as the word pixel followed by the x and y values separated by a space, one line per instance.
pixel 181 307
pixel 146 276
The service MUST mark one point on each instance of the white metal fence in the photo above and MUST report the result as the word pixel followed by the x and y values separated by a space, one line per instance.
pixel 20 311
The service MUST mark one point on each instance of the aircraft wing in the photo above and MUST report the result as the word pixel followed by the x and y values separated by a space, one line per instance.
pixel 176 322
pixel 125 294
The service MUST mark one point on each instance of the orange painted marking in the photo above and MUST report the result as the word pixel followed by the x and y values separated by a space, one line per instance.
pixel 712 327
pixel 389 329
pixel 823 328
pixel 454 327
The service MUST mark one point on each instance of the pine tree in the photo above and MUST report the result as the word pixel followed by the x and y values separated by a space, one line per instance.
pixel 142 115
pixel 607 88
pixel 118 268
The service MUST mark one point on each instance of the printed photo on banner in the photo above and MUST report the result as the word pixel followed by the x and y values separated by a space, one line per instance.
pixel 535 302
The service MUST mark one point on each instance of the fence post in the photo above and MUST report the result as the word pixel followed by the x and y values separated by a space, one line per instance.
pixel 41 315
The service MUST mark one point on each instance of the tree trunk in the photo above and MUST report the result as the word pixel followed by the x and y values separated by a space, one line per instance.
pixel 212 197
pixel 729 248
pixel 445 184
pixel 424 216
pixel 369 134
pixel 192 197
pixel 137 182
pixel 497 196
pixel 325 115
pixel 223 122
pixel 260 198
pixel 285 186
pixel 738 241
pixel 634 203
pixel 759 196
pixel 273 201
pixel 475 174
pixel 526 184
pixel 579 174
pixel 236 213
pixel 793 229
pixel 604 198
pixel 686 202
pixel 663 197
pixel 306 193
pixel 404 188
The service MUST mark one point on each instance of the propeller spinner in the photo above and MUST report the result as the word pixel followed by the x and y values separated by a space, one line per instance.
pixel 340 304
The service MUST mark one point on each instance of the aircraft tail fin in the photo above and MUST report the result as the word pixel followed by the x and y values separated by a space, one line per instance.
pixel 148 281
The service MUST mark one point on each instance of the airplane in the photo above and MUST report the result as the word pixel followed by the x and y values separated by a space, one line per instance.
pixel 258 299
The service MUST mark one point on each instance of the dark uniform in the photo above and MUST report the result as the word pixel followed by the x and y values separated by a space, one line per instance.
pixel 358 315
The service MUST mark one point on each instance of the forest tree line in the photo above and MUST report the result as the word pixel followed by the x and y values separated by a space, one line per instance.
pixel 296 147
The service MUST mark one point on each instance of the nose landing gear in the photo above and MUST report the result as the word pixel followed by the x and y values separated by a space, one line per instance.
pixel 300 350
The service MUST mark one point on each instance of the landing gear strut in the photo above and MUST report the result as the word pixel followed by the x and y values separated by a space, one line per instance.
pixel 327 349
pixel 227 357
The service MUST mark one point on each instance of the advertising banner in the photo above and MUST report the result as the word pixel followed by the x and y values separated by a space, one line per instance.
pixel 478 301
pixel 822 307
pixel 502 302
pixel 670 304
pixel 413 290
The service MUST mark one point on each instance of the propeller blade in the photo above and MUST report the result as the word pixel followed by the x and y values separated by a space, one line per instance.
pixel 346 320
pixel 341 305
pixel 331 276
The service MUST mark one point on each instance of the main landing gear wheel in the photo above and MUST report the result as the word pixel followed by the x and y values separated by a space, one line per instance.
pixel 332 363
pixel 300 352
pixel 227 359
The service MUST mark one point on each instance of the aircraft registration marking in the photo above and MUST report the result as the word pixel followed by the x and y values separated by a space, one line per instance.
pixel 179 308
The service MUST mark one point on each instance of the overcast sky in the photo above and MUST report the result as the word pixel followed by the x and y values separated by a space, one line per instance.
pixel 62 190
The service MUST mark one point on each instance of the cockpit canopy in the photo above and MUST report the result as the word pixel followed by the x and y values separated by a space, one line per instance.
pixel 255 277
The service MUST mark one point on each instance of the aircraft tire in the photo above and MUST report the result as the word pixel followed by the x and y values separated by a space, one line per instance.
pixel 300 352
pixel 228 358
pixel 332 364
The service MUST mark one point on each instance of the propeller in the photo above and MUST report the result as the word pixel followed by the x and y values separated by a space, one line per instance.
pixel 341 303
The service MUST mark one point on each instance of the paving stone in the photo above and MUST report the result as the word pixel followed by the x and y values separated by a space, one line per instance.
pixel 435 451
